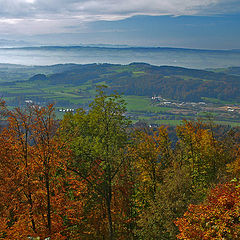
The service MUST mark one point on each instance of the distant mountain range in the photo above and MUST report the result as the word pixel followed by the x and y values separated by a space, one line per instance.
pixel 26 46
pixel 115 54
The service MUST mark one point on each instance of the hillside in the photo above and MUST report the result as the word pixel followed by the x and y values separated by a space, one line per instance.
pixel 177 83
pixel 74 86
pixel 230 70
pixel 137 79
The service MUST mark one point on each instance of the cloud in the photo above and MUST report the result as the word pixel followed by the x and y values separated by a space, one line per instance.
pixel 43 16
pixel 106 9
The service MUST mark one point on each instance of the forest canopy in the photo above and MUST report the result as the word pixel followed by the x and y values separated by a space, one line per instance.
pixel 94 175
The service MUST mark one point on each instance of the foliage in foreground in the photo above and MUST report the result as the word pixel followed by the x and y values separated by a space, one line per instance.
pixel 93 176
pixel 217 218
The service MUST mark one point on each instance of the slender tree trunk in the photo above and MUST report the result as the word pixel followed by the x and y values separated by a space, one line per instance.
pixel 31 212
pixel 108 202
pixel 30 201
pixel 48 204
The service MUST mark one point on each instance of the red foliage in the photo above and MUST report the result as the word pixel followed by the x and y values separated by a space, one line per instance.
pixel 217 218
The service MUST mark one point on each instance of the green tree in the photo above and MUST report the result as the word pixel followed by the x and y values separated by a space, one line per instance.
pixel 173 195
pixel 98 139
pixel 202 153
pixel 151 154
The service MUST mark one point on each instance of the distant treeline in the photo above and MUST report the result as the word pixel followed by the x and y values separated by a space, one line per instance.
pixel 145 80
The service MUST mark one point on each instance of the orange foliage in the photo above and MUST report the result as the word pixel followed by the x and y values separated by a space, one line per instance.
pixel 216 218
pixel 234 167
pixel 32 181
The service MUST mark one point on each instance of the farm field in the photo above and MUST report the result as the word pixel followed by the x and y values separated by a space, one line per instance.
pixel 155 95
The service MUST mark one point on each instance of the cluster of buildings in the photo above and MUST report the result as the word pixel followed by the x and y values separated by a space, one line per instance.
pixel 165 102
pixel 66 110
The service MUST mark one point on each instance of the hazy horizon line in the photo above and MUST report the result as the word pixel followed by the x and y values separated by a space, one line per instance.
pixel 111 46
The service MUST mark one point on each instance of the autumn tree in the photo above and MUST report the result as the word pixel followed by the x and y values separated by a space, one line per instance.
pixel 151 151
pixel 187 172
pixel 173 196
pixel 152 154
pixel 33 197
pixel 216 218
pixel 201 153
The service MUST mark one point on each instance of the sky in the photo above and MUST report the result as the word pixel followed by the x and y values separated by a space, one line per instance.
pixel 203 24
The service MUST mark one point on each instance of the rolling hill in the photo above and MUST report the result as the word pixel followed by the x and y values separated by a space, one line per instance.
pixel 138 79
pixel 73 86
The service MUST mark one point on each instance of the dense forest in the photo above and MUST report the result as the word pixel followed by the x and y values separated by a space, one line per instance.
pixel 49 83
pixel 94 175
pixel 146 80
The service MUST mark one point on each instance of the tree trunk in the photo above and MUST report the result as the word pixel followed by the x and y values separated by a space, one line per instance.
pixel 48 205
pixel 108 202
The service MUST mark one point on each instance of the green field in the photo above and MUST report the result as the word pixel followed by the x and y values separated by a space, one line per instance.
pixel 142 104
pixel 74 86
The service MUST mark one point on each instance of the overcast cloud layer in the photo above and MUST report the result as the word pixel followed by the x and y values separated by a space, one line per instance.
pixel 107 9
pixel 56 16
pixel 176 23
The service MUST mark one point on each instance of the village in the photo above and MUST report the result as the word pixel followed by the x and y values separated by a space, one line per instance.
pixel 192 110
